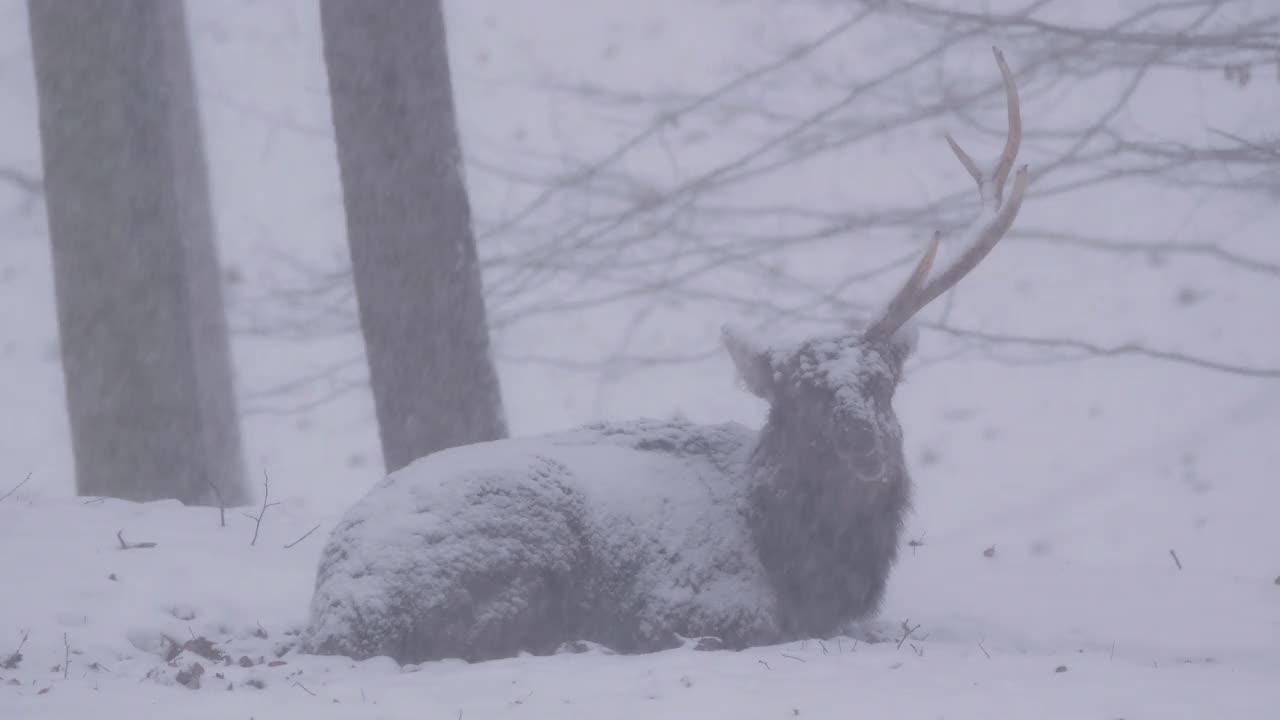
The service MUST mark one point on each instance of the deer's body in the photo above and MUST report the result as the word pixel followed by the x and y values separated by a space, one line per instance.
pixel 631 535
pixel 619 534
pixel 623 534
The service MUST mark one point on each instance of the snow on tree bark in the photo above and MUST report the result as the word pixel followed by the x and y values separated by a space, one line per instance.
pixel 413 252
pixel 146 358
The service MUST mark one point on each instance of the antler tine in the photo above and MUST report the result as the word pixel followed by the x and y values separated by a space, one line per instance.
pixel 965 160
pixel 903 301
pixel 983 244
pixel 1014 139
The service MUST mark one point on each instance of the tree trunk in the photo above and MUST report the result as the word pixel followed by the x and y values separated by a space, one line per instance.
pixel 145 354
pixel 413 253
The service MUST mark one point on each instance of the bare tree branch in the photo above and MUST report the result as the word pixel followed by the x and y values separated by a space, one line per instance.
pixel 717 228
pixel 29 184
pixel 1087 349
pixel 15 488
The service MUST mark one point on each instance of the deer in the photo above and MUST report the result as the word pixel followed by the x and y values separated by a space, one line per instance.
pixel 643 535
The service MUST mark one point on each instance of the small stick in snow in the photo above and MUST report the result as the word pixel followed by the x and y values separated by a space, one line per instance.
pixel 304 688
pixel 1112 656
pixel 257 521
pixel 907 631
pixel 1176 561
pixel 15 488
pixel 66 657
pixel 304 537
pixel 916 543
pixel 11 662
pixel 132 546
pixel 765 664
pixel 823 646
pixel 217 495
pixel 983 649
pixel 793 657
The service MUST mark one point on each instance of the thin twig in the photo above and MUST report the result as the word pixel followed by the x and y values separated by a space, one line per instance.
pixel 908 631
pixel 1176 561
pixel 304 537
pixel 304 688
pixel 27 183
pixel 66 657
pixel 217 495
pixel 16 487
pixel 257 521
pixel 1091 350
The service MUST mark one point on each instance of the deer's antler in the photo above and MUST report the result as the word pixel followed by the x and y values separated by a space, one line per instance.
pixel 996 219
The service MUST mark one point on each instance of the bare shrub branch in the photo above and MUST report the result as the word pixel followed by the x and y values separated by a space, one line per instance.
pixel 257 519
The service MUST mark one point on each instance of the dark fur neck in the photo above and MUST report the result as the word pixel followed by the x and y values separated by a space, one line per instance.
pixel 826 523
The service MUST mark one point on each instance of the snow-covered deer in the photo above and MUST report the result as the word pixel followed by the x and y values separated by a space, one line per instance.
pixel 637 534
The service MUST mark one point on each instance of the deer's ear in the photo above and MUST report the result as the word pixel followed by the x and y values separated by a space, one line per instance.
pixel 754 364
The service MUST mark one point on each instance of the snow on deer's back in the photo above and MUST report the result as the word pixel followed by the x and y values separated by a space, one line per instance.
pixel 618 534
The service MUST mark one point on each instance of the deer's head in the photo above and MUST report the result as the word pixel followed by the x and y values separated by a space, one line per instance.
pixel 836 391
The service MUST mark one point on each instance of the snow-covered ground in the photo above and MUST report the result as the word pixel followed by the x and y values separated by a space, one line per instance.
pixel 1020 634
pixel 1083 478
pixel 1026 632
